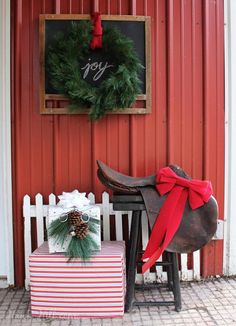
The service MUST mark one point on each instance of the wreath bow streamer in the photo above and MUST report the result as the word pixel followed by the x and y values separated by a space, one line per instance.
pixel 96 42
pixel 179 190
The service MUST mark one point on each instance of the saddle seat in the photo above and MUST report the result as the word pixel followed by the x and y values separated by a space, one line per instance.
pixel 121 182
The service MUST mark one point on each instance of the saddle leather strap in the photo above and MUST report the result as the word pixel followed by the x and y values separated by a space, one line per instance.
pixel 179 190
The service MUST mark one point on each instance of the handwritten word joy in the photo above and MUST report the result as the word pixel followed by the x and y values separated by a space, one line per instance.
pixel 97 67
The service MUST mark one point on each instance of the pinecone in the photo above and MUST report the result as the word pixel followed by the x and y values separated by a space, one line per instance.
pixel 80 228
pixel 74 217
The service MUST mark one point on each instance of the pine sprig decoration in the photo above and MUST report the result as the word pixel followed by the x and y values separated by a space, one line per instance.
pixel 82 248
pixel 59 230
pixel 117 92
pixel 82 243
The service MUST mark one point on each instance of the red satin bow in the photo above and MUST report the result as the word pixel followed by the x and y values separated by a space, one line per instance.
pixel 96 42
pixel 179 189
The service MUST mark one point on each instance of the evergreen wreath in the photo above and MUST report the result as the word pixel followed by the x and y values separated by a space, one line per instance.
pixel 117 92
pixel 80 227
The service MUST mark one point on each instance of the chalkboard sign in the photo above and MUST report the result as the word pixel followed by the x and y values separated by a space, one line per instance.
pixel 95 67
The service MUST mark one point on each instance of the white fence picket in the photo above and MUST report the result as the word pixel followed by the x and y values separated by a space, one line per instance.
pixel 52 199
pixel 129 221
pixel 27 236
pixel 39 219
pixel 144 223
pixel 196 265
pixel 119 229
pixel 145 235
pixel 105 216
pixel 91 197
pixel 159 271
pixel 184 267
pixel 40 211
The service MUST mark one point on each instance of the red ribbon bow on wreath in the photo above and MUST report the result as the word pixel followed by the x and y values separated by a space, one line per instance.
pixel 96 42
pixel 179 189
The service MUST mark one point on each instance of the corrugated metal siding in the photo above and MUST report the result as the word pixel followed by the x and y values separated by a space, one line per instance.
pixel 186 126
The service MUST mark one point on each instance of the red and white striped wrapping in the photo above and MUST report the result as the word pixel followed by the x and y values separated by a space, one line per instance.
pixel 62 289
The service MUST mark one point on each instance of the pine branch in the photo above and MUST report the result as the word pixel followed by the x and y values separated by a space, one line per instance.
pixel 81 248
pixel 59 231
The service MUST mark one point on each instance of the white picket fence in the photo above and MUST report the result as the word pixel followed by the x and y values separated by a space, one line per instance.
pixel 40 212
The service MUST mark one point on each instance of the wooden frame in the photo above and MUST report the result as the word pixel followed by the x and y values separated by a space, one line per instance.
pixel 56 103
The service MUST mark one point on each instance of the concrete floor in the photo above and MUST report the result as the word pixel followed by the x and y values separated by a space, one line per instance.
pixel 210 302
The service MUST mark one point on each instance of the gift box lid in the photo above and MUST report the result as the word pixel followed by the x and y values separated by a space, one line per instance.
pixel 109 249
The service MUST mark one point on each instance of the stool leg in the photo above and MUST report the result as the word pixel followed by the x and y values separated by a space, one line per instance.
pixel 131 263
pixel 176 284
pixel 169 271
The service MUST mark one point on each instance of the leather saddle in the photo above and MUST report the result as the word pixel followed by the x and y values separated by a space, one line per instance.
pixel 197 226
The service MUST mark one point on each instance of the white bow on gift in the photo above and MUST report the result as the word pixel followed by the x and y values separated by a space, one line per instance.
pixel 73 199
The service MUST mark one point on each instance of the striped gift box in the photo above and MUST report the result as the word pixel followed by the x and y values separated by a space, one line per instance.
pixel 76 289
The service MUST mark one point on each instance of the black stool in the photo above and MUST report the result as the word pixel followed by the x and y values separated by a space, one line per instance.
pixel 134 203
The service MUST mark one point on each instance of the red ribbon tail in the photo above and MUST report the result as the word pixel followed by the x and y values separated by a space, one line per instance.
pixel 171 213
pixel 151 261
pixel 157 236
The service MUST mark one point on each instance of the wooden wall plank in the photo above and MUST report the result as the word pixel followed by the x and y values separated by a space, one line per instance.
pixel 213 161
pixel 197 94
pixel 174 83
pixel 186 86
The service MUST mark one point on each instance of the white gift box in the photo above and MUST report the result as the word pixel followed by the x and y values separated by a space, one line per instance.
pixel 77 289
pixel 54 212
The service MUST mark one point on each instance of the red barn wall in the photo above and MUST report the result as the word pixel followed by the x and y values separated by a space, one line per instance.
pixel 55 153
